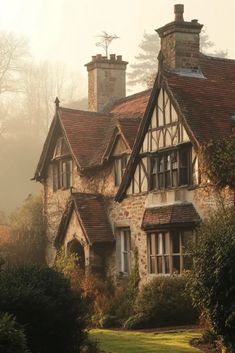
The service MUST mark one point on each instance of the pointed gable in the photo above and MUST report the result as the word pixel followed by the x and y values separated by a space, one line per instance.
pixel 92 217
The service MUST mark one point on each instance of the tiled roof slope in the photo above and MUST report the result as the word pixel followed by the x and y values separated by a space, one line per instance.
pixel 91 210
pixel 171 215
pixel 132 106
pixel 89 133
pixel 129 128
pixel 206 103
pixel 92 216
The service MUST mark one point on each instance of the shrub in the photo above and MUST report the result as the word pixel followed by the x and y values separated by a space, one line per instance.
pixel 161 302
pixel 42 301
pixel 12 336
pixel 212 280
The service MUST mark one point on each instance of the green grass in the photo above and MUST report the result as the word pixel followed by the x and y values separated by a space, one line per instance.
pixel 145 342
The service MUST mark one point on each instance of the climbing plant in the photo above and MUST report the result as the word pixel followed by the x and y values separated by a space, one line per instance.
pixel 218 161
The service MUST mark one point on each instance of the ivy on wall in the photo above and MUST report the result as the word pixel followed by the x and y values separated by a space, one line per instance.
pixel 218 161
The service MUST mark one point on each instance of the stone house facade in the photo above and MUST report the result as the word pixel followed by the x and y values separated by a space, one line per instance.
pixel 125 175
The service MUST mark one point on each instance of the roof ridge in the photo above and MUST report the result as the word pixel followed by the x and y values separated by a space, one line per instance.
pixel 134 95
pixel 87 112
pixel 211 57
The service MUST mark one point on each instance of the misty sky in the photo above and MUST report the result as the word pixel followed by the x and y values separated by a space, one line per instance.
pixel 66 30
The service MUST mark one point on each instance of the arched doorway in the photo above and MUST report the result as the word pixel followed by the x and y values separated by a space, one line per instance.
pixel 75 247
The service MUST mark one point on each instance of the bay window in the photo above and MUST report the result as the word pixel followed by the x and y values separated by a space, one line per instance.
pixel 167 251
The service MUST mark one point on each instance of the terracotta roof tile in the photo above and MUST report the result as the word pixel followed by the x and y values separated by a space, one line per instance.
pixel 207 104
pixel 129 128
pixel 172 215
pixel 88 134
pixel 92 216
pixel 92 212
pixel 132 106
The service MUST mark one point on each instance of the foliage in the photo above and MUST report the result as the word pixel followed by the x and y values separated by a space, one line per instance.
pixel 96 291
pixel 218 161
pixel 161 302
pixel 28 240
pixel 212 281
pixel 12 336
pixel 147 342
pixel 145 68
pixel 41 299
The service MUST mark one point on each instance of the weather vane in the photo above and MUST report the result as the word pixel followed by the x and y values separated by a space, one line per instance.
pixel 105 41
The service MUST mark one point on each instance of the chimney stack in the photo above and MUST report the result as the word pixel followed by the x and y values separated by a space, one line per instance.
pixel 106 80
pixel 180 41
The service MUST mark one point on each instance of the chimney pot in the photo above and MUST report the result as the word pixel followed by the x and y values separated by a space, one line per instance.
pixel 194 21
pixel 179 11
pixel 93 58
pixel 98 56
pixel 113 57
pixel 119 57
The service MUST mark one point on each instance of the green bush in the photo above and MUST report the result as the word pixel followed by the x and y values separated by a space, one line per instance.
pixel 12 336
pixel 163 301
pixel 212 280
pixel 41 299
pixel 136 322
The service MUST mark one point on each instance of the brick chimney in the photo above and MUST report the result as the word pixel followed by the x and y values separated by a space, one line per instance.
pixel 106 80
pixel 180 41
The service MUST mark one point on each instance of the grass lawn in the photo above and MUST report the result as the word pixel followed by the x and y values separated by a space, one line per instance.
pixel 145 342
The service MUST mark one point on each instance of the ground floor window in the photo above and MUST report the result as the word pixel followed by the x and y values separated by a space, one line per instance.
pixel 167 251
pixel 123 247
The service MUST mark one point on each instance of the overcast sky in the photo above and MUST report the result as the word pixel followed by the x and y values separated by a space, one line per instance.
pixel 66 30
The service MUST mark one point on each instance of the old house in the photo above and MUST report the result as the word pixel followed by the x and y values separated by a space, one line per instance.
pixel 125 174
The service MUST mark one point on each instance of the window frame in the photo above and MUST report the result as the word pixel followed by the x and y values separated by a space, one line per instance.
pixel 62 174
pixel 164 174
pixel 120 163
pixel 123 235
pixel 156 257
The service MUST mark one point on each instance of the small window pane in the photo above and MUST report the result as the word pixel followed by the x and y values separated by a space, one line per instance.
pixel 159 244
pixel 166 243
pixel 152 264
pixel 176 264
pixel 159 264
pixel 167 264
pixel 175 239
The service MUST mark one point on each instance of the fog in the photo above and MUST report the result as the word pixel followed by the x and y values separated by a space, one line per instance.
pixel 56 39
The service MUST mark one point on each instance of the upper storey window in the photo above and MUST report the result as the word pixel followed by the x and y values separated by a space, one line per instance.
pixel 119 168
pixel 62 166
pixel 171 168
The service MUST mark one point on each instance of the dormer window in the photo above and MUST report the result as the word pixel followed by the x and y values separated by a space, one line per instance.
pixel 120 163
pixel 62 166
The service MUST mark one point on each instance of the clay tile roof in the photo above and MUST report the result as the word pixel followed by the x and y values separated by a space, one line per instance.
pixel 92 216
pixel 132 106
pixel 92 212
pixel 207 103
pixel 129 128
pixel 88 134
pixel 172 215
